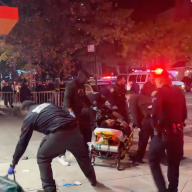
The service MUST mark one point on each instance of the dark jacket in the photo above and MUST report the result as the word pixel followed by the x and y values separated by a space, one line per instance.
pixel 138 107
pixel 135 88
pixel 44 118
pixel 39 88
pixel 169 107
pixel 148 88
pixel 118 97
pixel 62 87
pixel 25 93
pixel 8 90
pixel 75 97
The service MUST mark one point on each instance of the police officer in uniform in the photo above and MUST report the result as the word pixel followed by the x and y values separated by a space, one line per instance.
pixel 62 134
pixel 118 97
pixel 140 113
pixel 169 113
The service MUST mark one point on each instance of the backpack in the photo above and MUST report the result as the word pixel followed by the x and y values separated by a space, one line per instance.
pixel 8 185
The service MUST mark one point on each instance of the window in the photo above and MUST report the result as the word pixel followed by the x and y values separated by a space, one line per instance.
pixel 132 77
pixel 87 88
pixel 148 78
pixel 171 77
pixel 139 78
pixel 143 78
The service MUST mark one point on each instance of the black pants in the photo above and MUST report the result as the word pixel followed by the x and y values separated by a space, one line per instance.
pixel 57 143
pixel 145 133
pixel 8 99
pixel 174 146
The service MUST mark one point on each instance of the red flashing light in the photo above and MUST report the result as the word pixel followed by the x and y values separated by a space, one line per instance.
pixel 158 71
pixel 107 77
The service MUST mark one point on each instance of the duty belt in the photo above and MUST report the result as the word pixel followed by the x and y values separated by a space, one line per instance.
pixel 177 127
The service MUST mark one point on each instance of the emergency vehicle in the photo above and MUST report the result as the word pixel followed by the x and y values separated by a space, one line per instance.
pixel 90 87
pixel 141 77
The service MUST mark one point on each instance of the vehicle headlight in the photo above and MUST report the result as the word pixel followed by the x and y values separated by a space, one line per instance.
pixel 183 86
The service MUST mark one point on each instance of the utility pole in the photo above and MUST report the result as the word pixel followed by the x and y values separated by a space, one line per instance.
pixel 91 49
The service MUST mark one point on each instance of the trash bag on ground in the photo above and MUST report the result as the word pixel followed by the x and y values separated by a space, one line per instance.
pixel 8 185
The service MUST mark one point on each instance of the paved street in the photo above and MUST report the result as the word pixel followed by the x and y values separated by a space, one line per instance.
pixel 132 179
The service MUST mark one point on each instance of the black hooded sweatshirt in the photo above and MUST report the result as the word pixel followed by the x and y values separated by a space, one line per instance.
pixel 75 96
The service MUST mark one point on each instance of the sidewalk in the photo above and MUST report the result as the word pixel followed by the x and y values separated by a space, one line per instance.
pixel 132 179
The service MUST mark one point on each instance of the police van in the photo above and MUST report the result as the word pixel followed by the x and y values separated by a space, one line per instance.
pixel 141 77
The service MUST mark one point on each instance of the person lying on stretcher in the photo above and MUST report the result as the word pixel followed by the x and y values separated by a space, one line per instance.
pixel 113 120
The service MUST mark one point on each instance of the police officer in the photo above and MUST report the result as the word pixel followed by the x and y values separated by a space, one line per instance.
pixel 118 97
pixel 140 113
pixel 149 86
pixel 62 133
pixel 168 115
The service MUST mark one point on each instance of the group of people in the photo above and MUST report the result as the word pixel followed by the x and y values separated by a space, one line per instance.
pixel 17 92
pixel 159 112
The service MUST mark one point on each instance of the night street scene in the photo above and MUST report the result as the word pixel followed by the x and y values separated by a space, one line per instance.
pixel 95 95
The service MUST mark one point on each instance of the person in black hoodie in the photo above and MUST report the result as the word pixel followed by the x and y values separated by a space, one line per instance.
pixel 25 93
pixel 8 95
pixel 78 105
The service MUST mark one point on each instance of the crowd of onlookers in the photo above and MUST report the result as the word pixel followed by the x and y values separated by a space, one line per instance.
pixel 17 92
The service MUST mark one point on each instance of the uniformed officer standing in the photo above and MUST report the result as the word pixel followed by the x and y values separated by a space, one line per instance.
pixel 138 107
pixel 168 115
pixel 118 97
pixel 62 134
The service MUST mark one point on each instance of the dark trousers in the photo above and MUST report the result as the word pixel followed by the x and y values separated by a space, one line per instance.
pixel 57 143
pixel 173 143
pixel 145 133
pixel 8 99
pixel 84 120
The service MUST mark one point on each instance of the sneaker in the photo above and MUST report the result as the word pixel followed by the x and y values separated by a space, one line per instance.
pixel 62 160
pixel 134 159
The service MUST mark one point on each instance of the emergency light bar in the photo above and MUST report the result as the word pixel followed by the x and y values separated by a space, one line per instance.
pixel 157 71
pixel 109 77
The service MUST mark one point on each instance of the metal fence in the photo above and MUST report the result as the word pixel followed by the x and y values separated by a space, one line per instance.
pixel 13 100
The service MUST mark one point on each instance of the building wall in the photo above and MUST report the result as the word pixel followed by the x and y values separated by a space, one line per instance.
pixel 183 9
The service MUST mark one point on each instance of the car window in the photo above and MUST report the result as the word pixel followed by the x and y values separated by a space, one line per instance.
pixel 148 77
pixel 171 77
pixel 143 78
pixel 139 78
pixel 132 77
pixel 87 88
pixel 99 87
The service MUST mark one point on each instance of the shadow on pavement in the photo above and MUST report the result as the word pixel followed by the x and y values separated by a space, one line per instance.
pixel 123 166
pixel 101 186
